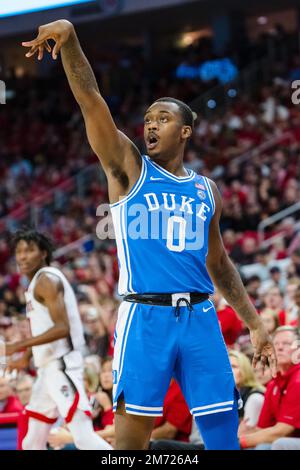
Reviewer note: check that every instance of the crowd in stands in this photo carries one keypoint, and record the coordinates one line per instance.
(44, 146)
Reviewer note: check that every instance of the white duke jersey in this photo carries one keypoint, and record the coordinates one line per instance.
(40, 321)
(162, 232)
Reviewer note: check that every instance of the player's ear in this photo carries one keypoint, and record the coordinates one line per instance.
(186, 132)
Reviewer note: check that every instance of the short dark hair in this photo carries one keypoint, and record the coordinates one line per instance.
(188, 116)
(30, 235)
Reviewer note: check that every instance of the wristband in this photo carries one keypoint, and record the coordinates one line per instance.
(243, 442)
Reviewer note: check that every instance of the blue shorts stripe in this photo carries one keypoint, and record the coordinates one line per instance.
(143, 413)
(220, 410)
(215, 405)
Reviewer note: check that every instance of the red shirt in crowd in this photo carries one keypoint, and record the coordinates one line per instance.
(176, 412)
(281, 403)
(12, 405)
(282, 318)
(230, 323)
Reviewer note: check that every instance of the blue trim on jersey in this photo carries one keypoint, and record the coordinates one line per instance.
(126, 250)
(179, 179)
(210, 193)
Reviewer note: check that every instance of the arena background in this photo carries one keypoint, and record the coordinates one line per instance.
(236, 64)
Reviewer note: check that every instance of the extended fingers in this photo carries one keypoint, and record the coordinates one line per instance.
(47, 46)
(41, 37)
(56, 49)
(32, 51)
(40, 48)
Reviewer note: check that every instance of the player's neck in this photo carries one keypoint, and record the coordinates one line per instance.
(33, 273)
(174, 166)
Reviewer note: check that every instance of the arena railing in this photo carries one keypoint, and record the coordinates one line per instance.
(274, 219)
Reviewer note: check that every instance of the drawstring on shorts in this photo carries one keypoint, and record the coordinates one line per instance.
(177, 308)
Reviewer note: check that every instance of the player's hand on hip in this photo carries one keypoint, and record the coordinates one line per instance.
(263, 349)
(59, 31)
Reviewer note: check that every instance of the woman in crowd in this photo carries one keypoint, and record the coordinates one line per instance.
(251, 391)
(270, 319)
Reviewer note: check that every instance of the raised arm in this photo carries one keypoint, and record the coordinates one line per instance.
(229, 283)
(119, 157)
(50, 292)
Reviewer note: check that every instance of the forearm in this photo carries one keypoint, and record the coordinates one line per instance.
(261, 436)
(55, 333)
(228, 281)
(78, 71)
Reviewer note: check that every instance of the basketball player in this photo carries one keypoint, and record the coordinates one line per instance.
(167, 326)
(57, 338)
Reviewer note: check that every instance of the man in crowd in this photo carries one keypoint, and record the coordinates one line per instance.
(280, 415)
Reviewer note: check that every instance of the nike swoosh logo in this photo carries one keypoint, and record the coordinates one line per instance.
(206, 309)
(156, 179)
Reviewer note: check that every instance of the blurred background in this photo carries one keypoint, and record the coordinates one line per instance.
(234, 63)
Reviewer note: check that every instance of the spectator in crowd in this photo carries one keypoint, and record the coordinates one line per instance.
(263, 374)
(251, 391)
(24, 389)
(104, 395)
(291, 307)
(280, 415)
(273, 300)
(297, 302)
(270, 319)
(195, 442)
(230, 323)
(294, 268)
(253, 284)
(97, 338)
(275, 280)
(9, 403)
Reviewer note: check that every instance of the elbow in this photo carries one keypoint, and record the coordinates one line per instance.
(216, 266)
(63, 331)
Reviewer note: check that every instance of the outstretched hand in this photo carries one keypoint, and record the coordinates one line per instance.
(263, 349)
(59, 31)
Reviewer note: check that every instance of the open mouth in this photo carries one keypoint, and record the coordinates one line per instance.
(152, 141)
